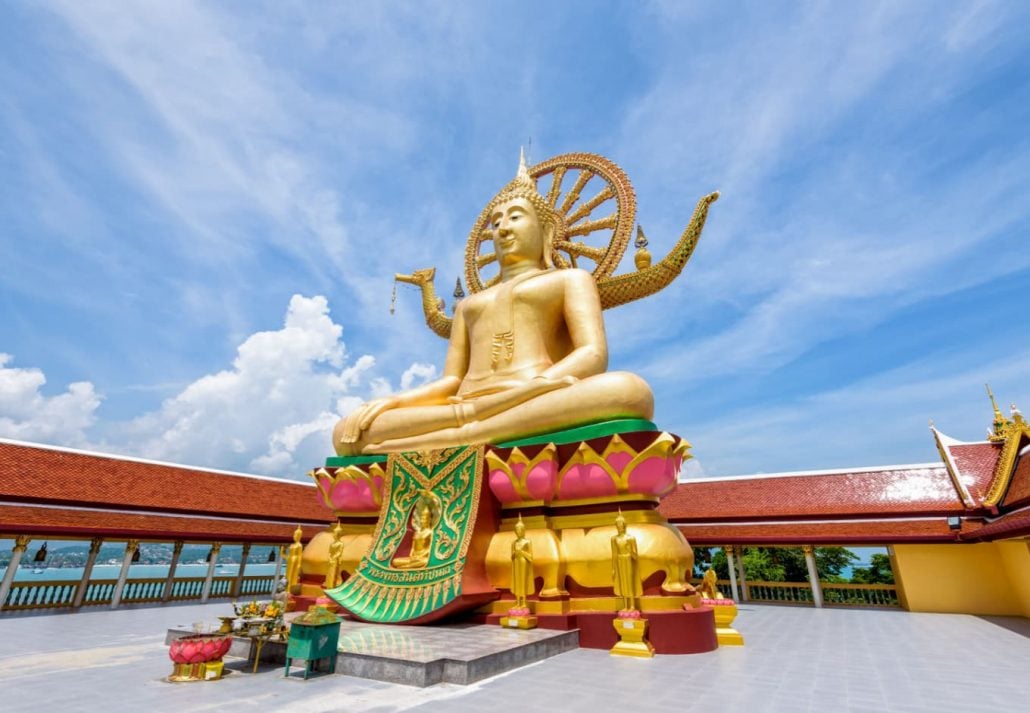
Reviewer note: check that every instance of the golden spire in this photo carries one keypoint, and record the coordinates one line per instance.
(1000, 424)
(522, 175)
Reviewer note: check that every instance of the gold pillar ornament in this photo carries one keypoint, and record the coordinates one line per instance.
(294, 560)
(335, 568)
(625, 573)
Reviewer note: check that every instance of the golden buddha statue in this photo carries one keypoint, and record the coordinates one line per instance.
(293, 562)
(522, 582)
(422, 524)
(526, 355)
(625, 573)
(335, 562)
(709, 588)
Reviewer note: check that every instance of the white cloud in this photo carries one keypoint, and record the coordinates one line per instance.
(272, 411)
(26, 414)
(417, 374)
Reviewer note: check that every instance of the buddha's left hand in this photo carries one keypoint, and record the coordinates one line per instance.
(363, 416)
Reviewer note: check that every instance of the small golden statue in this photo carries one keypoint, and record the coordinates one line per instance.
(625, 579)
(293, 562)
(422, 522)
(335, 564)
(522, 582)
(709, 588)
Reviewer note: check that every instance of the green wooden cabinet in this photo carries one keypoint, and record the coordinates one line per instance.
(312, 642)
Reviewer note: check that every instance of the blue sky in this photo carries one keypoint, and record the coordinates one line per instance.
(204, 205)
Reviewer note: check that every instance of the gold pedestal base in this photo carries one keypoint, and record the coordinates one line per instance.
(632, 641)
(725, 613)
(518, 622)
(183, 672)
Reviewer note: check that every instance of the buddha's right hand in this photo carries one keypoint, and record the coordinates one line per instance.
(362, 417)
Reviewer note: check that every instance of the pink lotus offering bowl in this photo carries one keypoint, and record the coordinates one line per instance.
(519, 611)
(629, 614)
(199, 648)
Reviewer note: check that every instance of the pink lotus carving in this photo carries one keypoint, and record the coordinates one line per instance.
(199, 648)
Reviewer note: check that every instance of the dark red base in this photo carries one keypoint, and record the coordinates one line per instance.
(686, 631)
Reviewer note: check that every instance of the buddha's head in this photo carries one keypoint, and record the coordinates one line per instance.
(520, 528)
(522, 223)
(620, 524)
(425, 517)
(337, 531)
(298, 534)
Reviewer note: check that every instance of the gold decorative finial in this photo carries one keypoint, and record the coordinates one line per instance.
(522, 175)
(459, 292)
(642, 258)
(1000, 424)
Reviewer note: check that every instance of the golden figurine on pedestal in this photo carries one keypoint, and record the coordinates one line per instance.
(527, 354)
(293, 562)
(422, 522)
(629, 625)
(333, 571)
(625, 574)
(709, 589)
(522, 584)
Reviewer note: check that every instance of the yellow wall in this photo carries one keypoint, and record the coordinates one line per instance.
(985, 578)
(1016, 556)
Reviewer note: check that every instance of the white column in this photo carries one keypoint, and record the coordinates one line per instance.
(742, 574)
(21, 542)
(87, 571)
(130, 549)
(170, 582)
(813, 576)
(731, 565)
(278, 569)
(237, 586)
(206, 593)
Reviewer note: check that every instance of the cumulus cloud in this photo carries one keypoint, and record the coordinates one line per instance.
(272, 411)
(27, 414)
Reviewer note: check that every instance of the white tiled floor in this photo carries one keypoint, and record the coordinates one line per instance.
(794, 660)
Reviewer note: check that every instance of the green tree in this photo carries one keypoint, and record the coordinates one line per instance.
(781, 564)
(878, 572)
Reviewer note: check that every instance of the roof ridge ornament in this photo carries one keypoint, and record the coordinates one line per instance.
(1000, 425)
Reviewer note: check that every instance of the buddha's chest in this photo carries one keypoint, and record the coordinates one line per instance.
(534, 306)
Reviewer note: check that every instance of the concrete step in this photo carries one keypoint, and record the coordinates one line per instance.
(425, 655)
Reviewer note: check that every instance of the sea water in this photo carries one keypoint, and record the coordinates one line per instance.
(29, 572)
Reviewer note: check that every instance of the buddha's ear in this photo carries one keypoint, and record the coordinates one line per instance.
(548, 244)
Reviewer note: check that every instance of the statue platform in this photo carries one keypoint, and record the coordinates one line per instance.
(460, 653)
(566, 488)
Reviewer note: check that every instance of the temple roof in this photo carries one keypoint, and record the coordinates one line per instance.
(50, 489)
(913, 490)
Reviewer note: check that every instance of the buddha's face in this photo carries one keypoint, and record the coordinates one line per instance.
(520, 529)
(425, 518)
(517, 233)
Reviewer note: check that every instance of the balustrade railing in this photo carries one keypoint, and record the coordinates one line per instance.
(861, 595)
(780, 592)
(58, 594)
